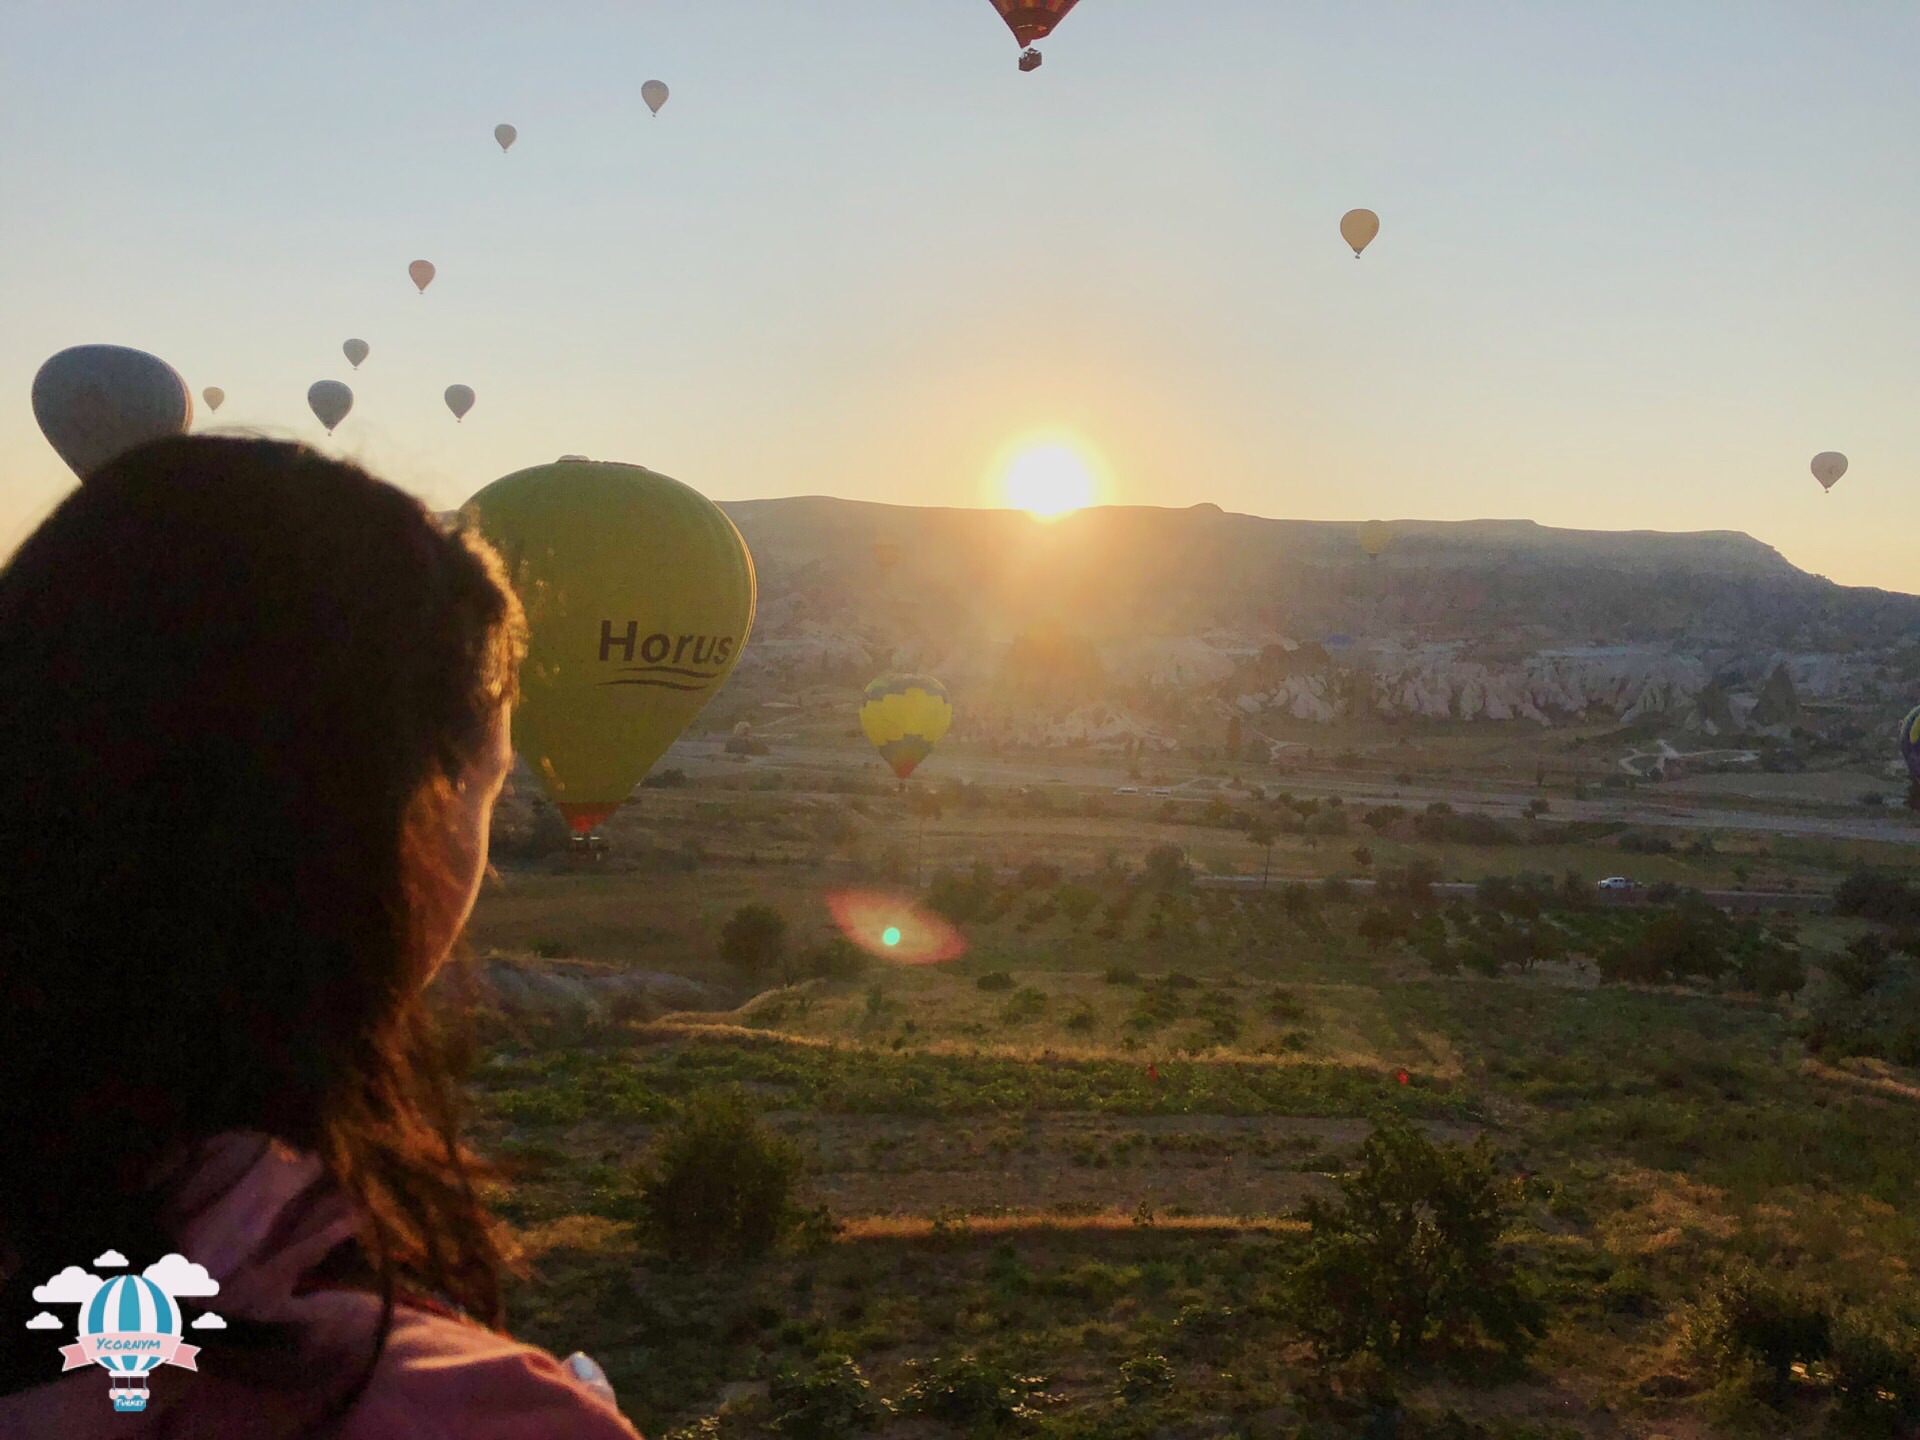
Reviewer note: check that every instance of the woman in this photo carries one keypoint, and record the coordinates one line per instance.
(253, 719)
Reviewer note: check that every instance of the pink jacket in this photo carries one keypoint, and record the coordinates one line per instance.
(439, 1377)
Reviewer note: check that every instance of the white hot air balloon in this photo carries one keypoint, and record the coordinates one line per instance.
(330, 401)
(1828, 467)
(654, 92)
(1357, 228)
(422, 273)
(356, 351)
(506, 135)
(95, 402)
(459, 400)
(214, 396)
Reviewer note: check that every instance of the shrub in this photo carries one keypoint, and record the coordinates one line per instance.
(1038, 875)
(717, 1182)
(1381, 926)
(1076, 902)
(1861, 966)
(1874, 896)
(754, 940)
(1145, 1376)
(1752, 1322)
(968, 1391)
(837, 958)
(1166, 868)
(1672, 947)
(1121, 975)
(994, 980)
(829, 1401)
(665, 780)
(1770, 970)
(1024, 1004)
(1409, 1259)
(1875, 1363)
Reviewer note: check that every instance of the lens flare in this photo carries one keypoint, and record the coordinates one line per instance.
(894, 927)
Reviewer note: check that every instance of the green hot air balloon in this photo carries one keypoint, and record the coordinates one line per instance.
(639, 595)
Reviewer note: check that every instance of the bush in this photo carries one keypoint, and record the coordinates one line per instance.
(665, 780)
(829, 1401)
(1166, 868)
(1121, 975)
(1381, 926)
(961, 898)
(1634, 843)
(1408, 1261)
(754, 940)
(1862, 965)
(835, 959)
(1143, 1377)
(1875, 1363)
(968, 1391)
(1076, 902)
(717, 1182)
(1874, 896)
(994, 980)
(1751, 1322)
(1670, 948)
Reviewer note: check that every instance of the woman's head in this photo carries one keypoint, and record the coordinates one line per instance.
(253, 711)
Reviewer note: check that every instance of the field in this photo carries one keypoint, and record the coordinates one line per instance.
(1067, 1167)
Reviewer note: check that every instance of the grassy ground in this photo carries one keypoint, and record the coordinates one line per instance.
(1099, 1157)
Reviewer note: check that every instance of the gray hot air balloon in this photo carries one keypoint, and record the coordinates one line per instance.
(214, 396)
(95, 402)
(355, 351)
(330, 401)
(459, 400)
(654, 92)
(506, 135)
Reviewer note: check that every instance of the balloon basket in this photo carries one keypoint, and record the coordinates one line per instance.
(586, 850)
(1029, 61)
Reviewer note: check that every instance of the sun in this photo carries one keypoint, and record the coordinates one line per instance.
(1048, 481)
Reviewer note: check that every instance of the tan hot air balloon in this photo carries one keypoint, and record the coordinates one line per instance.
(506, 135)
(214, 396)
(422, 273)
(1828, 467)
(654, 92)
(1375, 536)
(1357, 228)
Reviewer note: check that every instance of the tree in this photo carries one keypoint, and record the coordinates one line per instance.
(754, 941)
(1261, 834)
(1409, 1259)
(717, 1182)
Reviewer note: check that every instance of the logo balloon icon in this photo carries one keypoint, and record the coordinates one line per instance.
(129, 1328)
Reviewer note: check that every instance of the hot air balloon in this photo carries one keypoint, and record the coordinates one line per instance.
(1374, 538)
(459, 400)
(1357, 228)
(130, 1327)
(639, 595)
(214, 396)
(1031, 21)
(1910, 743)
(654, 92)
(1828, 467)
(905, 716)
(506, 135)
(356, 351)
(96, 402)
(330, 400)
(422, 273)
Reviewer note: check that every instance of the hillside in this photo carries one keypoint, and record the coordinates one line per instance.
(1080, 628)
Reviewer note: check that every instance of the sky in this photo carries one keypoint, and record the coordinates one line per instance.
(1638, 261)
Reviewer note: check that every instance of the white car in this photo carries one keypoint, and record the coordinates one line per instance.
(1128, 790)
(1619, 882)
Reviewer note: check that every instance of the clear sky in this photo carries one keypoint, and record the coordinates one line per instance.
(1639, 260)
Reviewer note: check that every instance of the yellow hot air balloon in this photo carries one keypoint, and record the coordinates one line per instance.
(905, 716)
(1357, 228)
(639, 595)
(1374, 538)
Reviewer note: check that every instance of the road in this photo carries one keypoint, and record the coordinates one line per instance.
(706, 757)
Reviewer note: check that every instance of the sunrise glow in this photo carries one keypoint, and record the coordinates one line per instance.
(1048, 481)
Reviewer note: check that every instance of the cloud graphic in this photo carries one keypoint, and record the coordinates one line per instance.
(209, 1321)
(72, 1286)
(113, 1259)
(45, 1320)
(179, 1276)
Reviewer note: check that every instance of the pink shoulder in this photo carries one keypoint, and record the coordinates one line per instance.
(442, 1377)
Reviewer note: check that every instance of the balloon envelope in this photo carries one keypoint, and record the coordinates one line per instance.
(214, 396)
(1828, 467)
(1358, 227)
(639, 596)
(1910, 742)
(355, 351)
(1375, 537)
(330, 400)
(459, 400)
(506, 135)
(96, 402)
(1032, 20)
(654, 92)
(422, 273)
(905, 716)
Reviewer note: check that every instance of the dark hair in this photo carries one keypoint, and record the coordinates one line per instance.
(238, 681)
